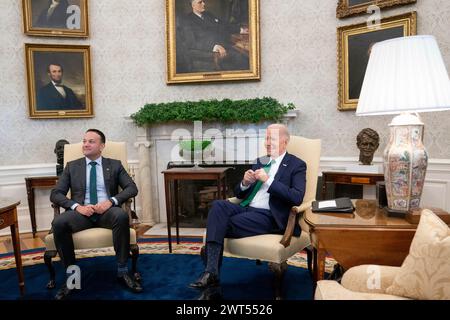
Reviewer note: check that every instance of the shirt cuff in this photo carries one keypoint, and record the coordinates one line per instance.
(243, 188)
(269, 181)
(216, 48)
(115, 200)
(74, 206)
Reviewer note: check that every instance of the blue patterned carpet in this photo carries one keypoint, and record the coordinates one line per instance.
(165, 277)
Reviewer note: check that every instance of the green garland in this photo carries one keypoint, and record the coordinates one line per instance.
(248, 110)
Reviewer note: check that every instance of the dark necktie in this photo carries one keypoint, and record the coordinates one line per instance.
(93, 188)
(258, 185)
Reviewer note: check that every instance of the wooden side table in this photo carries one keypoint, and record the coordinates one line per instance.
(173, 175)
(8, 218)
(367, 236)
(337, 177)
(35, 183)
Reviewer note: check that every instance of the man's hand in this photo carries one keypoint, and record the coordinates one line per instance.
(249, 177)
(85, 210)
(261, 175)
(101, 207)
(222, 51)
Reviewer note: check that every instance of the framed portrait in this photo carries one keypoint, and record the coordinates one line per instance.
(59, 81)
(212, 40)
(56, 18)
(354, 44)
(347, 8)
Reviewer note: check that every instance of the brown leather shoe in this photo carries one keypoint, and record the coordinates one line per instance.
(206, 279)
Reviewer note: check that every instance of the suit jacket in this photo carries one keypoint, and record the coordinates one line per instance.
(200, 35)
(74, 178)
(287, 189)
(48, 98)
(57, 20)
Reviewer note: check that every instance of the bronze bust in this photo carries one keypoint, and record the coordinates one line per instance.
(59, 151)
(367, 142)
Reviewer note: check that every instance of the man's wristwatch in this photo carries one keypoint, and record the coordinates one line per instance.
(112, 202)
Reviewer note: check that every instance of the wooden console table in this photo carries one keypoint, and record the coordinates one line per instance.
(8, 218)
(337, 177)
(173, 175)
(367, 236)
(35, 183)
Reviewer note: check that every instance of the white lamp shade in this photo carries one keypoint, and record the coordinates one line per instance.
(405, 74)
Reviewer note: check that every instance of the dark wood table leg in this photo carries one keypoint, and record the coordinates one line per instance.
(17, 253)
(319, 264)
(177, 225)
(324, 186)
(168, 211)
(31, 206)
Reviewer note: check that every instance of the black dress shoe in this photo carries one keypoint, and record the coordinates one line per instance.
(129, 283)
(211, 293)
(63, 293)
(206, 279)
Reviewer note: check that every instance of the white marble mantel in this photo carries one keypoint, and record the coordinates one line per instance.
(158, 144)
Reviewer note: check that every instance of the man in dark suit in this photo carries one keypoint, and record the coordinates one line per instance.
(268, 191)
(54, 15)
(95, 201)
(55, 95)
(203, 42)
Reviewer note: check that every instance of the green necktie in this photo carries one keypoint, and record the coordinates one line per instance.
(93, 183)
(258, 185)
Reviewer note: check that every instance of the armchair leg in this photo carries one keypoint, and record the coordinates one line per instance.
(278, 269)
(134, 257)
(48, 256)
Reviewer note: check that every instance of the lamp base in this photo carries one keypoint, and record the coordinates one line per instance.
(395, 213)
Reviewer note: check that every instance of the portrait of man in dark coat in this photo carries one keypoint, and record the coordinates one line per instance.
(55, 95)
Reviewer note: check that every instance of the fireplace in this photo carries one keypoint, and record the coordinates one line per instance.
(195, 197)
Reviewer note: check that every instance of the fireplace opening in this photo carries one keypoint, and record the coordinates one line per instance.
(196, 197)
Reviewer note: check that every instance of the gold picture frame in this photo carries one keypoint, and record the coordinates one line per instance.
(59, 81)
(346, 8)
(69, 18)
(227, 49)
(354, 43)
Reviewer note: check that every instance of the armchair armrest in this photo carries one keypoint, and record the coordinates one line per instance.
(295, 212)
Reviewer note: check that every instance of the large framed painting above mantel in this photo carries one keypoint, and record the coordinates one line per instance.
(346, 8)
(354, 43)
(212, 40)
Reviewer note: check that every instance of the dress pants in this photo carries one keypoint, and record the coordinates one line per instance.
(69, 222)
(229, 220)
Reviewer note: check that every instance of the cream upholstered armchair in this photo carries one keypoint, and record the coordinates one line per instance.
(94, 237)
(275, 248)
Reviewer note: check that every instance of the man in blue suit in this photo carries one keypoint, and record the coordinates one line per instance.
(268, 191)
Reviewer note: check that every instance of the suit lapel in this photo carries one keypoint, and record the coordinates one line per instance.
(106, 164)
(283, 166)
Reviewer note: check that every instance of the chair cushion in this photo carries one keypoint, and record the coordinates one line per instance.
(425, 272)
(90, 239)
(332, 290)
(369, 278)
(265, 247)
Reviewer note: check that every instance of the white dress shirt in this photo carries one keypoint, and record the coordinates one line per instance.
(60, 89)
(261, 199)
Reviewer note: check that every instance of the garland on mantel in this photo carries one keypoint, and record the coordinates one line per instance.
(226, 110)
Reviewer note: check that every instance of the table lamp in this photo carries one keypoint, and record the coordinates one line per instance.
(405, 75)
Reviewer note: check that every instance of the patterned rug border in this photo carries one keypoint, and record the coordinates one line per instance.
(146, 246)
